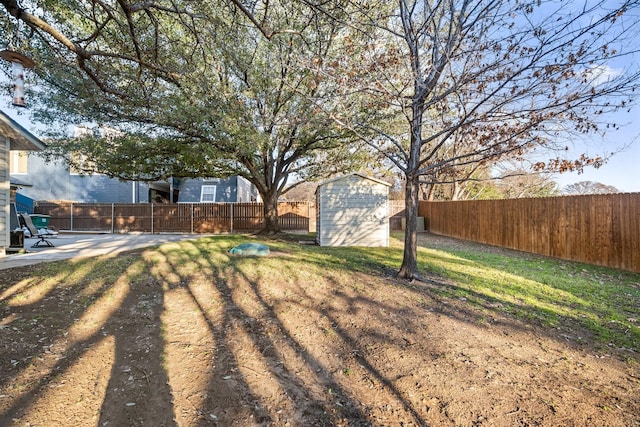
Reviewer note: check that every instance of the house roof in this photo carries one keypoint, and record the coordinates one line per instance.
(19, 137)
(378, 181)
(15, 182)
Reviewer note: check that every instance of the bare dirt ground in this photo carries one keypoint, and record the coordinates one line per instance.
(246, 350)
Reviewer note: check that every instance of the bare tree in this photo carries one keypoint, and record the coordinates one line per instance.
(511, 76)
(517, 181)
(302, 192)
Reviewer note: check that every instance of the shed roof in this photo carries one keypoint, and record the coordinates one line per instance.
(19, 137)
(378, 181)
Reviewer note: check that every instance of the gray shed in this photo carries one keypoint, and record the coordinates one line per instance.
(352, 210)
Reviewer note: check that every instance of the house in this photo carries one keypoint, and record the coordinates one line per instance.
(13, 137)
(56, 181)
(352, 210)
(231, 189)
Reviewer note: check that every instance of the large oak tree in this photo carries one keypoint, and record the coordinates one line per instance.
(198, 88)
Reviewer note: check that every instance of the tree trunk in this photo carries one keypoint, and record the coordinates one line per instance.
(456, 191)
(270, 210)
(427, 191)
(409, 267)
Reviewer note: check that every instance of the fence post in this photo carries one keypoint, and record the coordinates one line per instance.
(192, 217)
(113, 208)
(71, 215)
(231, 215)
(151, 217)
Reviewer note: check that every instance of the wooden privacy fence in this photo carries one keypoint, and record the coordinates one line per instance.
(180, 217)
(185, 217)
(596, 229)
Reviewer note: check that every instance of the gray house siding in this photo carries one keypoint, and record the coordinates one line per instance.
(246, 191)
(231, 189)
(53, 181)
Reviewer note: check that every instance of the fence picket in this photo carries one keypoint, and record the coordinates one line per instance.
(596, 229)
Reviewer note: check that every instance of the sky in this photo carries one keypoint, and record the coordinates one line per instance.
(621, 170)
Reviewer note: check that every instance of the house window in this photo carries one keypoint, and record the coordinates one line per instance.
(18, 162)
(81, 165)
(208, 193)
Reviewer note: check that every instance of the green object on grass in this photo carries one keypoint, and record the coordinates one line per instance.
(250, 249)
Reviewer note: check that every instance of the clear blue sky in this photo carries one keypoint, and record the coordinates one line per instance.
(622, 170)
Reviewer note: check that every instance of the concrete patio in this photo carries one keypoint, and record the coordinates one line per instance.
(70, 245)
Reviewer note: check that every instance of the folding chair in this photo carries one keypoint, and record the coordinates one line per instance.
(42, 235)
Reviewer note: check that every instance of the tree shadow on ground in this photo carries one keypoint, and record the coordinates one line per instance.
(73, 341)
(599, 304)
(187, 334)
(466, 288)
(267, 367)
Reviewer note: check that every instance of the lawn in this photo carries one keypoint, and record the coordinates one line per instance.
(187, 334)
